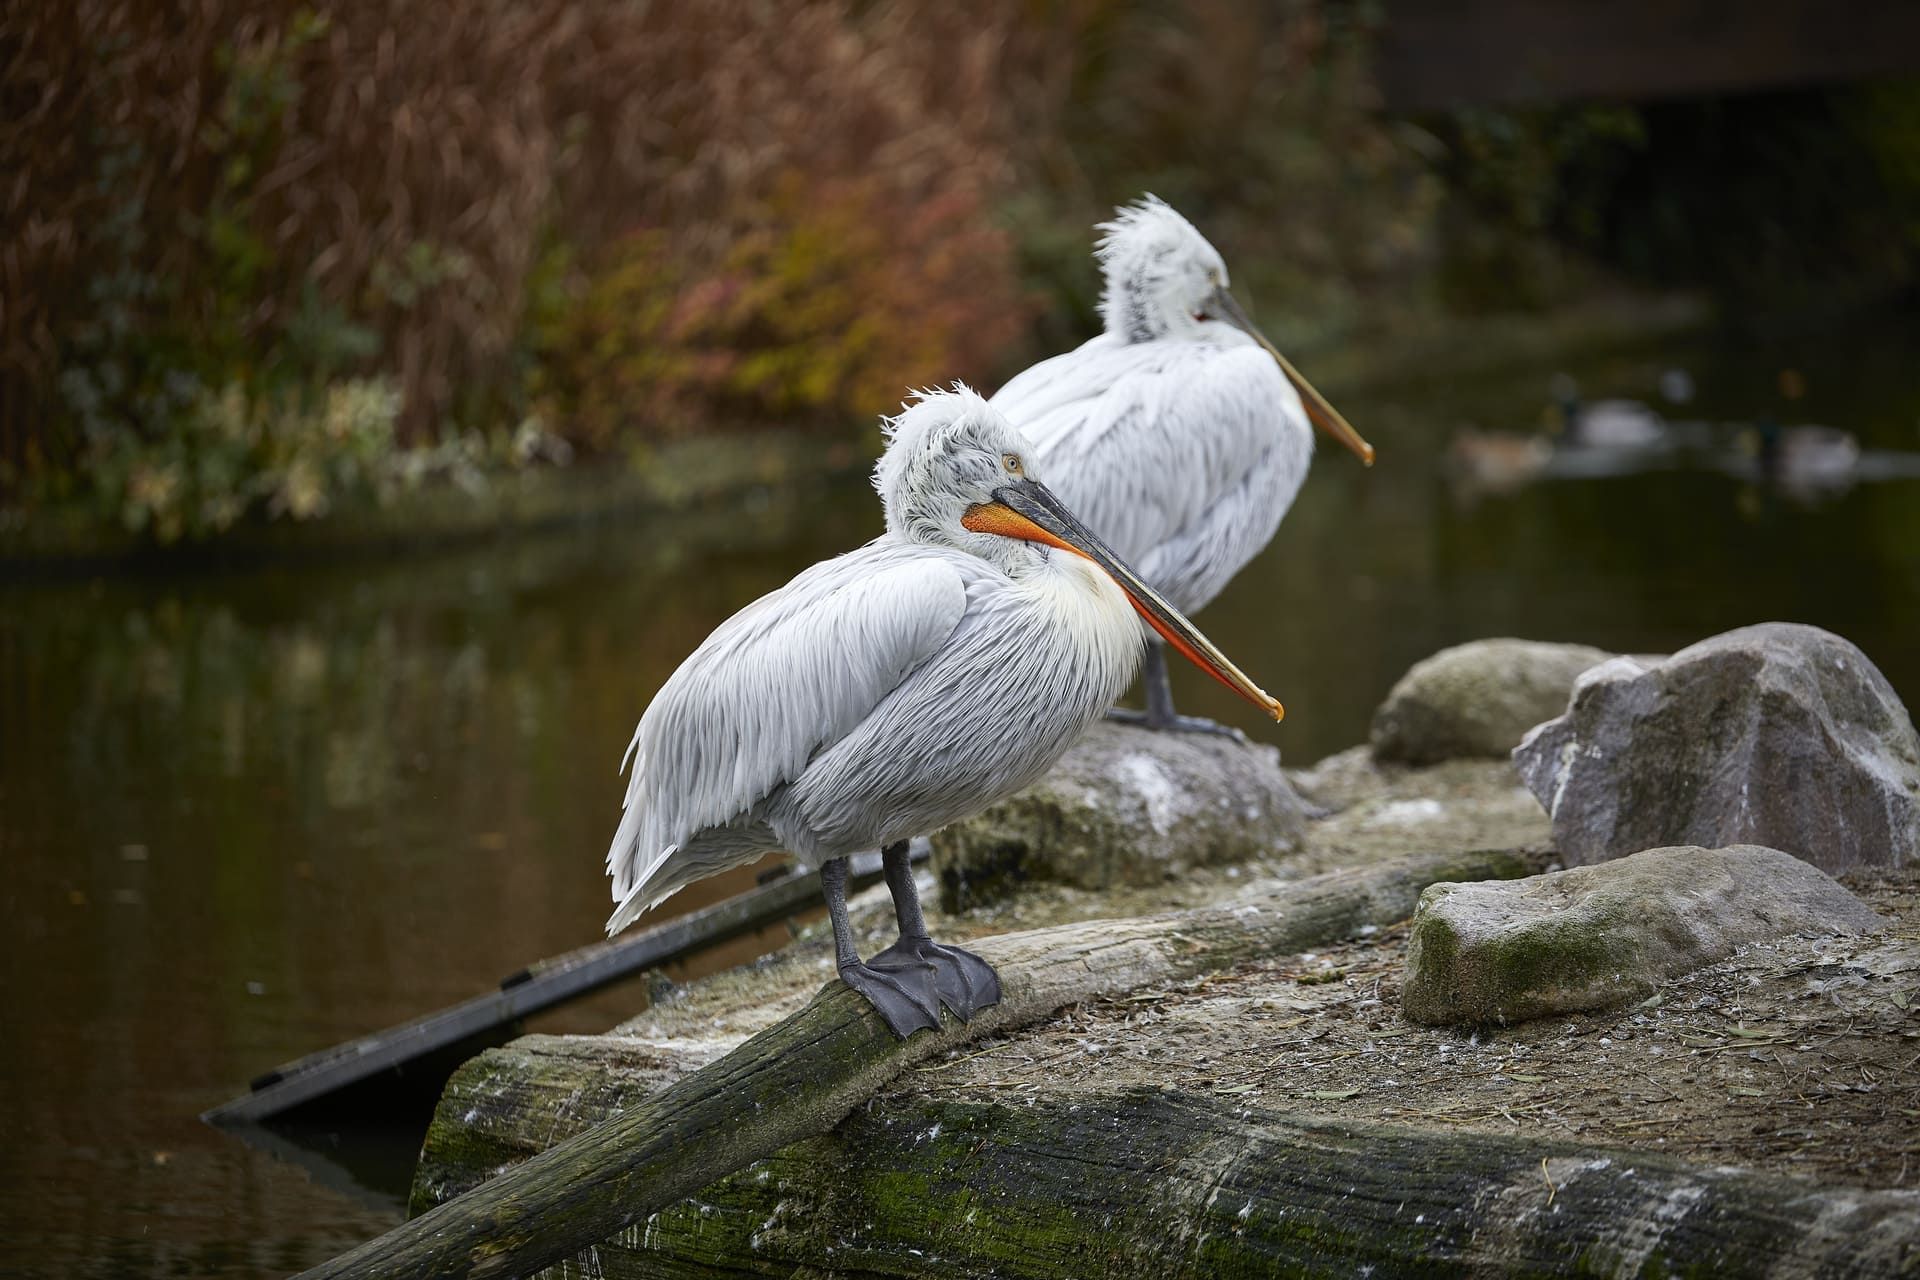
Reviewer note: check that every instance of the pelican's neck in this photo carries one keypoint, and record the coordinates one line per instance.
(1134, 311)
(1024, 562)
(1089, 613)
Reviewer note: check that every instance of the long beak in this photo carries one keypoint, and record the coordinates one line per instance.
(1028, 510)
(1323, 414)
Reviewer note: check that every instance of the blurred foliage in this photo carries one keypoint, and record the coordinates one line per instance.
(225, 456)
(826, 307)
(635, 222)
(228, 455)
(245, 198)
(1782, 202)
(1258, 121)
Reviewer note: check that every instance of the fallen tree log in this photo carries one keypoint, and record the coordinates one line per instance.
(1150, 1184)
(802, 1076)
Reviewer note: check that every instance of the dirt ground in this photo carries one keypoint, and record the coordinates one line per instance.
(1800, 1057)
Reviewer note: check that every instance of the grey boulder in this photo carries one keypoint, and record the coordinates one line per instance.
(1598, 937)
(1125, 806)
(1477, 699)
(1776, 734)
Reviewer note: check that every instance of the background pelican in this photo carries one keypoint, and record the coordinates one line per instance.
(893, 690)
(1178, 433)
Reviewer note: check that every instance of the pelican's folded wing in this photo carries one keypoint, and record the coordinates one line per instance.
(1168, 455)
(1224, 432)
(786, 676)
(1044, 396)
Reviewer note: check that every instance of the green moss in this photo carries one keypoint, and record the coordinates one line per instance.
(1555, 955)
(1526, 971)
(1438, 943)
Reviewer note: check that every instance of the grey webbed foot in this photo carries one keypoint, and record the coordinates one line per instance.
(966, 984)
(1174, 723)
(904, 994)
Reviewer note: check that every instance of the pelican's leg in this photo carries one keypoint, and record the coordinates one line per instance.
(1160, 713)
(905, 997)
(966, 983)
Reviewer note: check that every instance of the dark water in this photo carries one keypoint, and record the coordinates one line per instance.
(245, 815)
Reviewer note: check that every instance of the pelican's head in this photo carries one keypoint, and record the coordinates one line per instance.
(1159, 272)
(1163, 280)
(956, 474)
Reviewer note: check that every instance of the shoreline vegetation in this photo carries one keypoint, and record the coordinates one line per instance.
(382, 276)
(503, 496)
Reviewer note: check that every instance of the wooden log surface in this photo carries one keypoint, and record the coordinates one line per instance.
(497, 1014)
(804, 1075)
(1152, 1184)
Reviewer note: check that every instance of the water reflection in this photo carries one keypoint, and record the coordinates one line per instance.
(248, 815)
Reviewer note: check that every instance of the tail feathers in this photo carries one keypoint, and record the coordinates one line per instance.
(639, 900)
(623, 854)
(648, 884)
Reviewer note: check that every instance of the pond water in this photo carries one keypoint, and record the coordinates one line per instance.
(248, 814)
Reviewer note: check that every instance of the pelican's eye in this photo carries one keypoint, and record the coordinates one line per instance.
(1011, 461)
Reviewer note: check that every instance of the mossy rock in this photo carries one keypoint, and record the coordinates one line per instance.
(1601, 936)
(1126, 806)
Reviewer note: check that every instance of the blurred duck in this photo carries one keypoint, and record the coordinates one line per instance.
(1802, 459)
(1605, 424)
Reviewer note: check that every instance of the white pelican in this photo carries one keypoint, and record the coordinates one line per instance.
(888, 692)
(1177, 434)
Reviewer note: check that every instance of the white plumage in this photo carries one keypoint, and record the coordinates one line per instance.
(1184, 453)
(1177, 434)
(888, 692)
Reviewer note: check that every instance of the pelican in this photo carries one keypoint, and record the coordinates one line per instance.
(1179, 433)
(892, 690)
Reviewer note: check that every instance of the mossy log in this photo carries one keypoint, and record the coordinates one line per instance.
(1151, 1184)
(802, 1076)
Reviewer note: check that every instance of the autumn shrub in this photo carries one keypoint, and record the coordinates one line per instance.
(256, 198)
(228, 456)
(1261, 121)
(825, 307)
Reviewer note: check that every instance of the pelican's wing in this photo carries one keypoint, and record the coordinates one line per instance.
(791, 673)
(1156, 434)
(1238, 436)
(1034, 395)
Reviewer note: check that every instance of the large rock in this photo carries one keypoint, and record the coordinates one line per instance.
(1600, 936)
(1125, 806)
(1776, 734)
(1477, 699)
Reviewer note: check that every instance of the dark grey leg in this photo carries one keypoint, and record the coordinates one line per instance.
(897, 867)
(905, 997)
(965, 982)
(1159, 687)
(1160, 714)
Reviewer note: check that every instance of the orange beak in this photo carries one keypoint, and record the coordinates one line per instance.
(1028, 510)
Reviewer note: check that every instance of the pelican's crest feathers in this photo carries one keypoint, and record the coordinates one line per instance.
(1149, 256)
